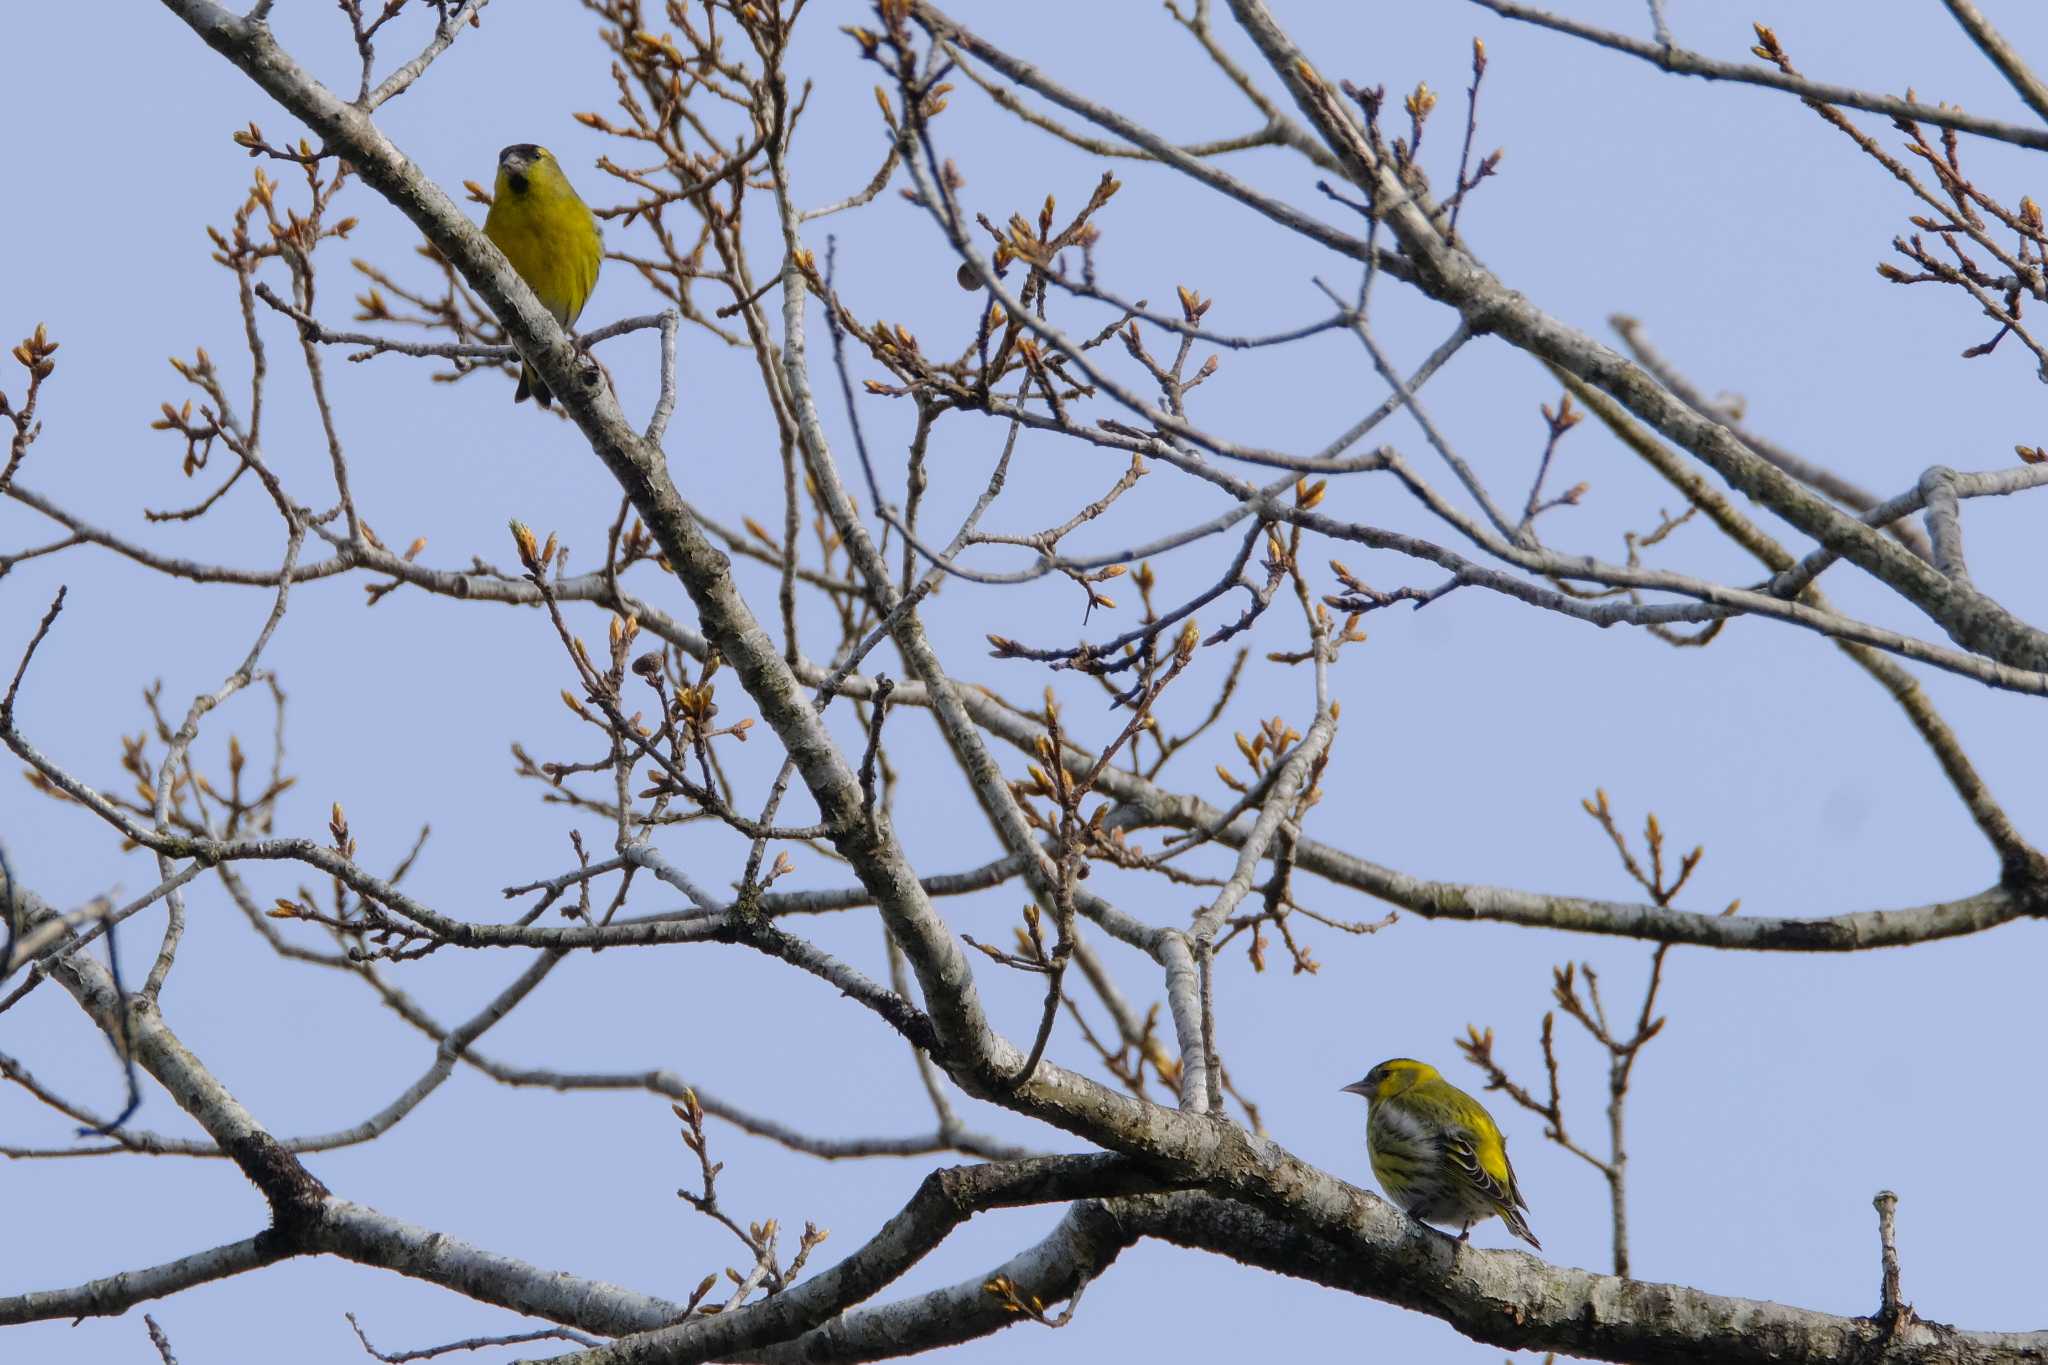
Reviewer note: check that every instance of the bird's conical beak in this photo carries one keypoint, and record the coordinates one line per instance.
(1356, 1088)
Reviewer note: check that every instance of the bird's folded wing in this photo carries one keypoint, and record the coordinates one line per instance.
(1463, 1155)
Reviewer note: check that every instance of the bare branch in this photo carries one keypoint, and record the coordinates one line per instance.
(1994, 46)
(1683, 62)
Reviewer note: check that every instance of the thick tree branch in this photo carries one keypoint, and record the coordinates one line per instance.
(305, 1217)
(1499, 1297)
(116, 1294)
(946, 1199)
(1085, 1243)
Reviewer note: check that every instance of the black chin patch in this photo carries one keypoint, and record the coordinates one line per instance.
(515, 182)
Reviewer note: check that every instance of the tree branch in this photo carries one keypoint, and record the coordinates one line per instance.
(1682, 62)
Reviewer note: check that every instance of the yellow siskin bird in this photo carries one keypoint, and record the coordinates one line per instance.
(1436, 1151)
(549, 236)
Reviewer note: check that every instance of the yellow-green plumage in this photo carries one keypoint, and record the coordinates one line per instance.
(1436, 1151)
(549, 236)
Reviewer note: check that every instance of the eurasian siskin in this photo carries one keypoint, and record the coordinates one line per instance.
(549, 236)
(1436, 1151)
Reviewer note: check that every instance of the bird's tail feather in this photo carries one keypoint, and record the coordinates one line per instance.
(1519, 1226)
(532, 384)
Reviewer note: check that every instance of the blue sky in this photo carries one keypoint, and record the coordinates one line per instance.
(1784, 1092)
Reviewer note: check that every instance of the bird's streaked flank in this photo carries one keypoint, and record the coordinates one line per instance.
(549, 236)
(1436, 1151)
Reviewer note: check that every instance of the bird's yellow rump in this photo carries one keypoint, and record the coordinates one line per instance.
(1436, 1151)
(549, 236)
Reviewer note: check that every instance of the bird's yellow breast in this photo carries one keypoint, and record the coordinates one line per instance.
(551, 239)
